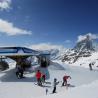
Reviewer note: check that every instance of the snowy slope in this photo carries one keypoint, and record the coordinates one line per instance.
(84, 91)
(85, 82)
(84, 62)
(83, 49)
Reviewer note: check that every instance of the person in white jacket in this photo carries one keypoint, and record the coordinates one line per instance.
(55, 83)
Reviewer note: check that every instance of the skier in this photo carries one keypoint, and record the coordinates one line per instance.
(65, 78)
(90, 66)
(19, 72)
(38, 77)
(55, 83)
(43, 78)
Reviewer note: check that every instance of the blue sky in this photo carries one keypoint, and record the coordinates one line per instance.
(58, 22)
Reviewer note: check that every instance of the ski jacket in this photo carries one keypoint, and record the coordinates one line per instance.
(38, 75)
(66, 77)
(55, 83)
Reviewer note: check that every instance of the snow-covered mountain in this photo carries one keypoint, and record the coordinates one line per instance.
(57, 53)
(84, 48)
(80, 51)
(84, 52)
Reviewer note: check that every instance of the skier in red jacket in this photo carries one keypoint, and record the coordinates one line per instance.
(65, 78)
(38, 77)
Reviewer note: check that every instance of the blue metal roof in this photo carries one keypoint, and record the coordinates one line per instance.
(17, 50)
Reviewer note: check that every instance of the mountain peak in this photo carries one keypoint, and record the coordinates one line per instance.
(85, 44)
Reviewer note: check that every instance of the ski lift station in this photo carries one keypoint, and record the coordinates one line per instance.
(23, 57)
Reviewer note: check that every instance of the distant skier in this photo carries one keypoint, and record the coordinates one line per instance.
(38, 77)
(55, 83)
(65, 78)
(90, 66)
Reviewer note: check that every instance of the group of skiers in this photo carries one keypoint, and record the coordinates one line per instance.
(41, 79)
(64, 83)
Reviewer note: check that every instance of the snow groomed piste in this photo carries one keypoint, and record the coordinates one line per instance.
(84, 80)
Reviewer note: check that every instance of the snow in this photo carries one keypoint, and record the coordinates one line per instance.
(84, 80)
(84, 61)
(20, 90)
(84, 91)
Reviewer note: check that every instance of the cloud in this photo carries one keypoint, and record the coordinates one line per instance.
(5, 4)
(83, 37)
(46, 46)
(9, 29)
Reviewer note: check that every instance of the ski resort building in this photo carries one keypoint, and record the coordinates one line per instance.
(21, 55)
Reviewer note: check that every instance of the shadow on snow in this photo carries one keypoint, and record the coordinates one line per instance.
(10, 76)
